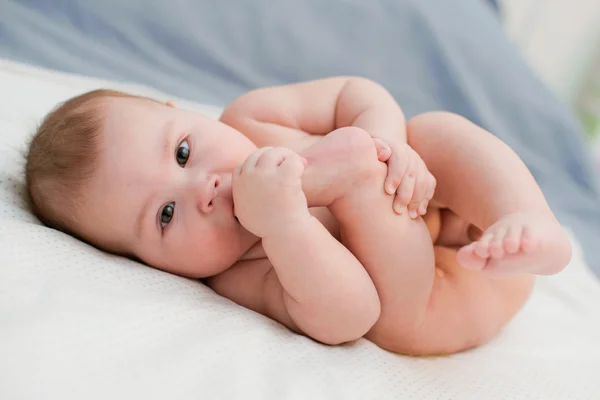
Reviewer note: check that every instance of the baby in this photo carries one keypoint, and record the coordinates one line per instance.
(314, 204)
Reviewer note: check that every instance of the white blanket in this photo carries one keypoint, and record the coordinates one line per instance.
(78, 323)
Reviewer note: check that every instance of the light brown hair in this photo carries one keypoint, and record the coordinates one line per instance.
(62, 156)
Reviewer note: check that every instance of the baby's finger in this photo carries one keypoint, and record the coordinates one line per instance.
(384, 151)
(292, 165)
(405, 192)
(397, 168)
(413, 209)
(252, 159)
(422, 209)
(398, 206)
(432, 183)
(421, 184)
(273, 157)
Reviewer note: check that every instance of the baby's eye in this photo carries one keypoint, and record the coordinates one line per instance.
(167, 214)
(182, 153)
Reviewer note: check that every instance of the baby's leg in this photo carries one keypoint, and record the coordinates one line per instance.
(422, 311)
(396, 251)
(485, 183)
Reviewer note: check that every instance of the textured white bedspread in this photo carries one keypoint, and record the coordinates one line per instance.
(77, 323)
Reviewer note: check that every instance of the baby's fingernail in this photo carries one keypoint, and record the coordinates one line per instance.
(399, 209)
(423, 207)
(389, 188)
(412, 214)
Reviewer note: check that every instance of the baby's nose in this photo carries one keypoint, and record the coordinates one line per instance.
(207, 193)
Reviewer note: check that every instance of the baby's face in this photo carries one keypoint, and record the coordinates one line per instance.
(162, 191)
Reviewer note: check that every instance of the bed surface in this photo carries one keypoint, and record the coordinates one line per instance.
(80, 324)
(210, 52)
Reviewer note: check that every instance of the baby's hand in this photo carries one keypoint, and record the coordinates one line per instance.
(267, 190)
(407, 177)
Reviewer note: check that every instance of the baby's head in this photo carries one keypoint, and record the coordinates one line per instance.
(140, 178)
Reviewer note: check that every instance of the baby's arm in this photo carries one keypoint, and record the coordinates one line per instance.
(284, 115)
(296, 115)
(315, 284)
(326, 291)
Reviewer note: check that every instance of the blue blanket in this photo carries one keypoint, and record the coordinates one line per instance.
(431, 55)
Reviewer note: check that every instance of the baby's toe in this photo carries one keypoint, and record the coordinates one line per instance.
(467, 258)
(512, 239)
(482, 246)
(528, 241)
(497, 244)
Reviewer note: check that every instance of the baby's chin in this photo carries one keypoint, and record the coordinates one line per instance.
(238, 248)
(199, 271)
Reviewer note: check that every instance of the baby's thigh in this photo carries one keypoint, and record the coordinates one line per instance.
(465, 309)
(433, 221)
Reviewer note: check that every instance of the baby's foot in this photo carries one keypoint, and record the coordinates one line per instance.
(521, 242)
(339, 162)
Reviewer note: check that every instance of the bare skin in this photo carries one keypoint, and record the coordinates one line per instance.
(322, 248)
(377, 236)
(516, 242)
(414, 307)
(520, 232)
(422, 289)
(476, 167)
(418, 300)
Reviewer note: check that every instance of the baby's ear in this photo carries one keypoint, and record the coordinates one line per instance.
(169, 103)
